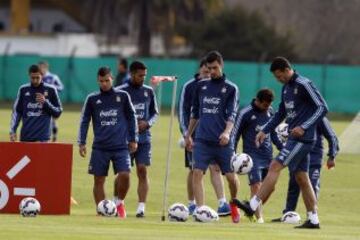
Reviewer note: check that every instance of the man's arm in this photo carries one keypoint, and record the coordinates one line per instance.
(184, 110)
(132, 123)
(238, 127)
(84, 126)
(51, 105)
(330, 136)
(153, 110)
(16, 116)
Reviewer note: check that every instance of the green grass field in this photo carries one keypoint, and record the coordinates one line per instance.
(338, 206)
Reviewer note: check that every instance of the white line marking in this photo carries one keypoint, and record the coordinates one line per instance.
(24, 191)
(18, 167)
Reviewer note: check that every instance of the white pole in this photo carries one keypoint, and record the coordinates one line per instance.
(172, 116)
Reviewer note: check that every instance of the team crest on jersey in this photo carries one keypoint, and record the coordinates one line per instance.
(98, 101)
(253, 117)
(204, 88)
(27, 94)
(223, 90)
(118, 99)
(296, 91)
(146, 94)
(46, 93)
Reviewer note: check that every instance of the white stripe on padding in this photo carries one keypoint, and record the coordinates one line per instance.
(18, 167)
(293, 153)
(24, 191)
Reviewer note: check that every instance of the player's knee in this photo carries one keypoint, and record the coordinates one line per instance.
(301, 178)
(99, 181)
(141, 171)
(275, 167)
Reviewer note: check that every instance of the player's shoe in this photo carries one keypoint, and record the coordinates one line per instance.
(276, 219)
(309, 225)
(121, 212)
(140, 214)
(224, 210)
(235, 214)
(191, 208)
(245, 206)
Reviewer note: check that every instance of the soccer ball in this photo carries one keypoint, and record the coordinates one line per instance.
(181, 142)
(29, 207)
(106, 208)
(241, 163)
(205, 214)
(291, 217)
(282, 130)
(178, 212)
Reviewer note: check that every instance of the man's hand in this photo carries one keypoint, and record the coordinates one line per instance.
(188, 143)
(224, 138)
(13, 137)
(297, 132)
(82, 150)
(330, 163)
(40, 98)
(260, 138)
(143, 125)
(133, 147)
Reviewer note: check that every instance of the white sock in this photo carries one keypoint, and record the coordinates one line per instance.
(192, 202)
(313, 217)
(115, 199)
(141, 207)
(119, 201)
(255, 202)
(222, 201)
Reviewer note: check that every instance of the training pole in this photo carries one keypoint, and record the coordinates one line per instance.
(168, 158)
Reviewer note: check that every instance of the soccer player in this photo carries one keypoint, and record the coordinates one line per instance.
(115, 134)
(249, 122)
(217, 181)
(303, 107)
(316, 155)
(54, 80)
(36, 103)
(144, 101)
(123, 75)
(214, 108)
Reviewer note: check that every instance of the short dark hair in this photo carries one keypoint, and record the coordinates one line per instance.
(214, 56)
(43, 62)
(265, 95)
(34, 69)
(103, 71)
(124, 62)
(137, 65)
(279, 63)
(202, 62)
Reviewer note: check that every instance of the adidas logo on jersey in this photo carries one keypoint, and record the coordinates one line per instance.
(98, 101)
(27, 94)
(253, 117)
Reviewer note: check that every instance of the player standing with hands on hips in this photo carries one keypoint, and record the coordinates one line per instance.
(115, 135)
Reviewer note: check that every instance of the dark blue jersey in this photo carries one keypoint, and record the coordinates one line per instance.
(54, 80)
(113, 119)
(324, 130)
(249, 121)
(144, 101)
(185, 103)
(302, 105)
(35, 116)
(215, 102)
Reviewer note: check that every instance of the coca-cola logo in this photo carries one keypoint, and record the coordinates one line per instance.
(109, 113)
(213, 100)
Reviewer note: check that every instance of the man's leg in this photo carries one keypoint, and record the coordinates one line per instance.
(233, 182)
(314, 175)
(254, 188)
(217, 182)
(143, 188)
(198, 186)
(98, 189)
(189, 163)
(123, 184)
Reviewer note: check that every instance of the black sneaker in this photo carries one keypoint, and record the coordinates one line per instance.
(276, 220)
(140, 215)
(309, 225)
(245, 206)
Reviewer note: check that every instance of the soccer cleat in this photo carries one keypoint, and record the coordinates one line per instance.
(309, 225)
(245, 206)
(140, 214)
(224, 210)
(235, 214)
(191, 208)
(276, 220)
(121, 212)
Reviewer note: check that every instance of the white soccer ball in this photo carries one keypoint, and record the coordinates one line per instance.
(106, 208)
(282, 130)
(29, 207)
(291, 218)
(181, 142)
(178, 212)
(241, 163)
(205, 214)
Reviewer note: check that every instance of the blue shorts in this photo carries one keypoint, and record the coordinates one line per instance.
(205, 154)
(295, 155)
(100, 161)
(142, 154)
(257, 175)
